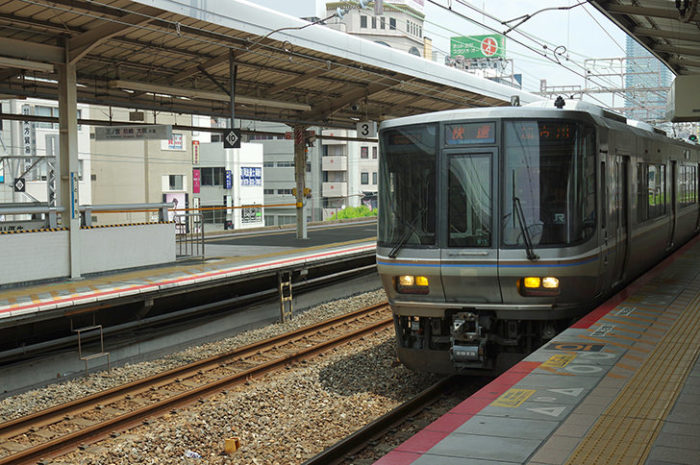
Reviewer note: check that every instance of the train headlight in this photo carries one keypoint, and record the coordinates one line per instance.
(421, 281)
(408, 284)
(535, 286)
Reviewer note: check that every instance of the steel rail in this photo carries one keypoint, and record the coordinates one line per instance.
(56, 413)
(357, 440)
(93, 433)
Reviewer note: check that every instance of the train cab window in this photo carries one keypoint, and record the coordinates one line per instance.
(549, 182)
(469, 201)
(408, 194)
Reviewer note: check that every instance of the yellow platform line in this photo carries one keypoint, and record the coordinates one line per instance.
(627, 429)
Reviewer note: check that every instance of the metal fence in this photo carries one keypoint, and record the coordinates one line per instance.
(189, 235)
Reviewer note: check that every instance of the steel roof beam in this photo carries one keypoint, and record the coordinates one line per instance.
(665, 34)
(322, 111)
(31, 51)
(665, 13)
(79, 46)
(284, 85)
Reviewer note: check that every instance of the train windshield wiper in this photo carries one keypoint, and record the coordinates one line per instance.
(409, 228)
(518, 208)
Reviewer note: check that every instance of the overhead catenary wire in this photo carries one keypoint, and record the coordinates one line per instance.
(537, 41)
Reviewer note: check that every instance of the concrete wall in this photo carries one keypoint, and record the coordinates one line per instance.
(40, 256)
(33, 256)
(104, 249)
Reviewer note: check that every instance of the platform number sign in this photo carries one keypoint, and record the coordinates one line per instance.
(232, 139)
(20, 184)
(367, 129)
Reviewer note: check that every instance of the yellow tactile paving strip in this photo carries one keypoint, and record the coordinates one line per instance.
(625, 432)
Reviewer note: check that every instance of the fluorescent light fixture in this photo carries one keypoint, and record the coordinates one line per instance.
(26, 64)
(204, 94)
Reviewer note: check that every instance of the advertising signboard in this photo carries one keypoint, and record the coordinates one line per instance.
(196, 181)
(483, 46)
(251, 176)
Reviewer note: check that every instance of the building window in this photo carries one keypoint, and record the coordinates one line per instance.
(374, 22)
(363, 22)
(364, 152)
(408, 26)
(308, 167)
(284, 164)
(374, 177)
(268, 191)
(374, 152)
(382, 22)
(392, 24)
(364, 178)
(284, 191)
(213, 214)
(175, 182)
(268, 164)
(213, 176)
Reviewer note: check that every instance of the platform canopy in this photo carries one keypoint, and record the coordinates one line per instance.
(668, 29)
(173, 56)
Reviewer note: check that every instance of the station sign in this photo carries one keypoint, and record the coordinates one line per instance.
(481, 46)
(136, 132)
(228, 179)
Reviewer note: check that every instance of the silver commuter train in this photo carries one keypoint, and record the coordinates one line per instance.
(499, 226)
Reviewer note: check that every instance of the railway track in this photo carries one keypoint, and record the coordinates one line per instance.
(442, 395)
(60, 429)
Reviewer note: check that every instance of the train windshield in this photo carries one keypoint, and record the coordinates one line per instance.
(407, 201)
(549, 177)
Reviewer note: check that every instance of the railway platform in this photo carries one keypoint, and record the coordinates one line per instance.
(230, 258)
(620, 386)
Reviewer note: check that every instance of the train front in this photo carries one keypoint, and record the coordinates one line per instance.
(487, 233)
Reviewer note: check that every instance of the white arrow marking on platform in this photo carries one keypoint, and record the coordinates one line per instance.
(575, 392)
(551, 411)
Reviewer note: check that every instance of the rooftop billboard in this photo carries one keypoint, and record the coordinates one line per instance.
(485, 46)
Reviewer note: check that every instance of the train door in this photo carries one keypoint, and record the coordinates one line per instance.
(469, 255)
(621, 199)
(674, 218)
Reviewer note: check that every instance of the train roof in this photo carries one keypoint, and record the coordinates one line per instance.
(540, 109)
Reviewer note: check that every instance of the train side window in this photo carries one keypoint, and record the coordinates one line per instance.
(656, 189)
(687, 185)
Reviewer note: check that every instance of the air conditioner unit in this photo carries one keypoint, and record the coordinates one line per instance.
(683, 102)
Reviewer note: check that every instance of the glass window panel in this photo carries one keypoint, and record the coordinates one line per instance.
(408, 199)
(549, 173)
(469, 201)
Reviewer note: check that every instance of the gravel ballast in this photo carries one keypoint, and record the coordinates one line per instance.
(282, 418)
